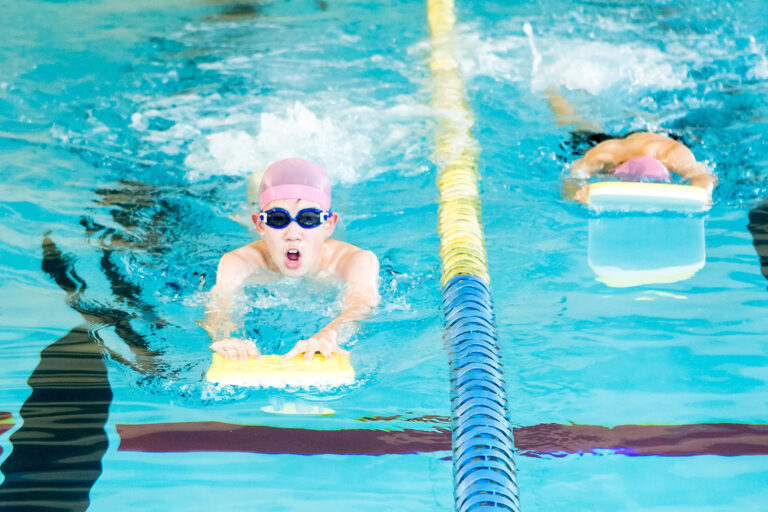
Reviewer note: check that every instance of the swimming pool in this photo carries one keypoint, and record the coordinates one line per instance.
(128, 137)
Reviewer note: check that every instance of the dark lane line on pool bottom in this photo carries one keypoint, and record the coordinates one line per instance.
(547, 439)
(57, 452)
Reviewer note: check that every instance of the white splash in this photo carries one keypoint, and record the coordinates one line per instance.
(759, 71)
(596, 66)
(536, 56)
(569, 63)
(295, 132)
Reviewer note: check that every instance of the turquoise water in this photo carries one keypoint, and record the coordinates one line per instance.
(128, 129)
(575, 349)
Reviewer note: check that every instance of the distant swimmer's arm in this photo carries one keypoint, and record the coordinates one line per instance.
(566, 114)
(360, 271)
(575, 186)
(605, 155)
(230, 276)
(679, 159)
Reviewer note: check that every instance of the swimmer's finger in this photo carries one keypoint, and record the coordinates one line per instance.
(252, 350)
(327, 353)
(298, 349)
(582, 195)
(233, 350)
(309, 353)
(229, 353)
(339, 350)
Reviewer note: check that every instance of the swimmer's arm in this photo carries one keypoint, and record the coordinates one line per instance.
(360, 271)
(575, 186)
(679, 159)
(566, 114)
(607, 154)
(219, 324)
(230, 276)
(361, 297)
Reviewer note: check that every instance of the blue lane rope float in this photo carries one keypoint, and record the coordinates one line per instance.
(483, 451)
(484, 470)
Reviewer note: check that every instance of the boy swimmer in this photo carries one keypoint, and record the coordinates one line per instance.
(295, 223)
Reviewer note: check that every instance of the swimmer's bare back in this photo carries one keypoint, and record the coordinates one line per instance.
(675, 156)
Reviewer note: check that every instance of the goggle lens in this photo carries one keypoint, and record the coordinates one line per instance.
(309, 218)
(278, 219)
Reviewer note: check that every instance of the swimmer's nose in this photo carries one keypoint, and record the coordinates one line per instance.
(292, 231)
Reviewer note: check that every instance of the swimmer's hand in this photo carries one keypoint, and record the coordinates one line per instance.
(582, 195)
(575, 190)
(323, 342)
(706, 181)
(236, 349)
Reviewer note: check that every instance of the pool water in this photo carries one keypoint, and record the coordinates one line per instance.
(128, 130)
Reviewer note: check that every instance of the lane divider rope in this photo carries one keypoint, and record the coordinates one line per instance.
(484, 469)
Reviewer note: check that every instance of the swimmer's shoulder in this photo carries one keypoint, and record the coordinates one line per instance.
(243, 261)
(347, 257)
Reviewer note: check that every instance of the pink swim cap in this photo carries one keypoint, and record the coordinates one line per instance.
(642, 167)
(295, 178)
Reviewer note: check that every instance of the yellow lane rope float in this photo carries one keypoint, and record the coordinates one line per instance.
(462, 245)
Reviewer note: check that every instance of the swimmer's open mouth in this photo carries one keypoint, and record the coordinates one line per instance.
(293, 258)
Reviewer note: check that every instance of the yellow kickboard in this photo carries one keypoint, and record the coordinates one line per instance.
(621, 195)
(272, 371)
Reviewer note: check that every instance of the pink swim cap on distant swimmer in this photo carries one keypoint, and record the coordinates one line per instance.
(642, 167)
(295, 178)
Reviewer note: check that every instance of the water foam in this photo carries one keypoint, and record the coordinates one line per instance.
(758, 70)
(596, 66)
(616, 55)
(352, 141)
(297, 131)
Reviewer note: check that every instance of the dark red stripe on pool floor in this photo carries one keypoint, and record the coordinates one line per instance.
(549, 439)
(726, 439)
(209, 436)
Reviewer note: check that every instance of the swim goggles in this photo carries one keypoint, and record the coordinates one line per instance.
(307, 218)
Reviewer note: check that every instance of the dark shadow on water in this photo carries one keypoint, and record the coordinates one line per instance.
(758, 228)
(57, 452)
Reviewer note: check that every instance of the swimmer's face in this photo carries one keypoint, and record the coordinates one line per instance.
(294, 250)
